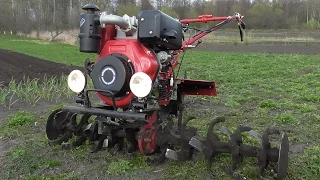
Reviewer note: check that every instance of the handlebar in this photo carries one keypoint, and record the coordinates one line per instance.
(209, 18)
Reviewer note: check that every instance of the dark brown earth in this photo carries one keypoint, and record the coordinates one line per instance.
(15, 66)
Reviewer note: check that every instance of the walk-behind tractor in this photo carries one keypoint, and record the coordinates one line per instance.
(136, 77)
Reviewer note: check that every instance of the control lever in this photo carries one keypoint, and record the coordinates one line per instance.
(194, 46)
(241, 24)
(241, 32)
(199, 42)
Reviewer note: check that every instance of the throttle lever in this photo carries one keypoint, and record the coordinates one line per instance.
(241, 24)
(199, 42)
(241, 32)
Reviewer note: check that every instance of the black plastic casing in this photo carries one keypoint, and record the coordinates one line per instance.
(90, 32)
(154, 27)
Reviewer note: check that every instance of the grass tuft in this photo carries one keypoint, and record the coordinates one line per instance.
(53, 163)
(268, 104)
(284, 118)
(120, 167)
(21, 118)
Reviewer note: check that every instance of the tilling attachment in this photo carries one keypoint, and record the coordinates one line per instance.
(212, 146)
(62, 126)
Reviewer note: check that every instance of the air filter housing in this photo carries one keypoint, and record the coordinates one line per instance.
(156, 28)
(90, 31)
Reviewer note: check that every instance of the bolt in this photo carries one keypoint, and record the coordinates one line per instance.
(129, 60)
(148, 52)
(150, 32)
(142, 19)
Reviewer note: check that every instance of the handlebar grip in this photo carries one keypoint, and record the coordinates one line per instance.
(241, 32)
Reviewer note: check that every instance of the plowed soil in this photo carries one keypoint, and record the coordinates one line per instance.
(15, 66)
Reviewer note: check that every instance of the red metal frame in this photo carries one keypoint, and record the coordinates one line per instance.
(145, 61)
(205, 19)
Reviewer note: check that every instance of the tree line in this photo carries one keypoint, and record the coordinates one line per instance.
(56, 16)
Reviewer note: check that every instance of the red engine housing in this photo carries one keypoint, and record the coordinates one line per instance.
(143, 60)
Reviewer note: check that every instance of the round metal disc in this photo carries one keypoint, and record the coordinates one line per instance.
(283, 157)
(52, 127)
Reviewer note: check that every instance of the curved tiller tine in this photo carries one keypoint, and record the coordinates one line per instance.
(212, 138)
(255, 134)
(185, 136)
(226, 131)
(273, 154)
(53, 132)
(235, 143)
(236, 136)
(79, 131)
(56, 130)
(283, 161)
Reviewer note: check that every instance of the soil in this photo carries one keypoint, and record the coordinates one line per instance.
(15, 66)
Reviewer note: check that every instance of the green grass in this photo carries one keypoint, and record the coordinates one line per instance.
(32, 91)
(21, 118)
(260, 37)
(261, 89)
(57, 52)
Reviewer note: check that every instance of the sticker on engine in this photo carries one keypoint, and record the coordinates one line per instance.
(82, 21)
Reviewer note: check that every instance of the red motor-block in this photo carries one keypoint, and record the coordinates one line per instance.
(136, 76)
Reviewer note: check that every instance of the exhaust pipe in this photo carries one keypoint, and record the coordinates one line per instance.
(114, 19)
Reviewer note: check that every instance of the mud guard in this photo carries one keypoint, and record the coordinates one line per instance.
(196, 87)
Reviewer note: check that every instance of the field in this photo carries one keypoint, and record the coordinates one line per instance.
(262, 89)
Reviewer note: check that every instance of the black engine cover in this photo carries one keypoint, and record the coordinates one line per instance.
(113, 73)
(156, 28)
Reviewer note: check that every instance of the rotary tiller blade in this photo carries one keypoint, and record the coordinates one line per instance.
(182, 138)
(225, 131)
(235, 144)
(54, 127)
(283, 157)
(171, 154)
(78, 130)
(267, 154)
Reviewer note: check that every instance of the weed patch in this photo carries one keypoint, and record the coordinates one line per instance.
(285, 118)
(309, 163)
(23, 162)
(21, 118)
(53, 163)
(120, 167)
(269, 104)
